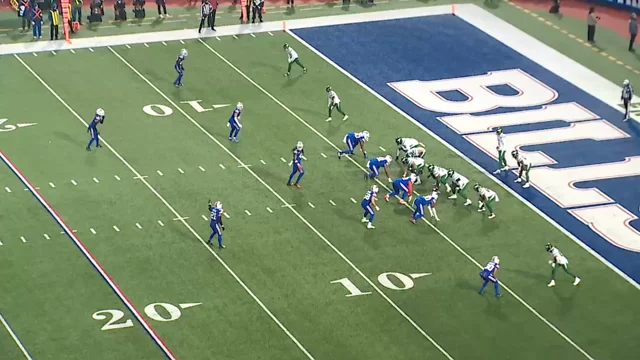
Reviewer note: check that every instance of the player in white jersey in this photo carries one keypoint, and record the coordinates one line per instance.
(404, 145)
(486, 199)
(333, 101)
(292, 58)
(559, 260)
(502, 151)
(416, 152)
(459, 186)
(440, 175)
(414, 165)
(524, 165)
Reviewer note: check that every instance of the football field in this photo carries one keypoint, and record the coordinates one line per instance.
(104, 252)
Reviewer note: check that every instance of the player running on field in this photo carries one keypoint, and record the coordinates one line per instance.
(292, 58)
(486, 199)
(375, 164)
(459, 186)
(216, 222)
(368, 204)
(333, 101)
(413, 165)
(440, 175)
(296, 164)
(404, 184)
(502, 151)
(352, 140)
(524, 165)
(559, 260)
(488, 274)
(428, 201)
(404, 145)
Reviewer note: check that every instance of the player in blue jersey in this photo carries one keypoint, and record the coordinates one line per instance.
(234, 123)
(179, 67)
(352, 140)
(428, 201)
(375, 164)
(92, 129)
(404, 184)
(369, 204)
(488, 274)
(296, 164)
(216, 222)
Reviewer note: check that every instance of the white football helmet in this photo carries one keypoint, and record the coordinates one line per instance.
(374, 188)
(389, 158)
(625, 82)
(366, 135)
(184, 52)
(100, 112)
(413, 177)
(299, 145)
(218, 205)
(239, 106)
(495, 259)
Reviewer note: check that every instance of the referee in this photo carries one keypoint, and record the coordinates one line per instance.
(627, 95)
(205, 10)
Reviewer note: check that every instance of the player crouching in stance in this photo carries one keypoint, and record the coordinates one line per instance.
(488, 274)
(292, 57)
(375, 164)
(216, 222)
(440, 175)
(524, 165)
(352, 140)
(459, 186)
(414, 165)
(486, 199)
(296, 164)
(334, 102)
(234, 123)
(404, 184)
(404, 145)
(427, 200)
(559, 260)
(368, 204)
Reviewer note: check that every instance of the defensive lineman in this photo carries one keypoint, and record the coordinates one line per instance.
(627, 95)
(375, 164)
(502, 151)
(459, 186)
(421, 202)
(352, 140)
(486, 199)
(404, 185)
(524, 166)
(404, 145)
(292, 57)
(92, 129)
(559, 260)
(368, 204)
(334, 102)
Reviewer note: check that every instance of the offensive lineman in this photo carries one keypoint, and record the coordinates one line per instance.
(459, 186)
(404, 145)
(486, 199)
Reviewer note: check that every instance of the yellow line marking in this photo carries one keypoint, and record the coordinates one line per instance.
(572, 36)
(612, 58)
(564, 31)
(579, 40)
(556, 27)
(548, 22)
(525, 10)
(604, 54)
(519, 7)
(534, 14)
(586, 44)
(628, 67)
(541, 19)
(619, 62)
(636, 71)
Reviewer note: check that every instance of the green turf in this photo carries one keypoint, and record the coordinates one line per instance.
(285, 261)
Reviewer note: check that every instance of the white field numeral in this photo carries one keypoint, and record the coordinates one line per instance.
(172, 311)
(407, 282)
(116, 315)
(353, 290)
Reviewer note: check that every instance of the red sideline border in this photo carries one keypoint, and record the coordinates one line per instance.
(58, 219)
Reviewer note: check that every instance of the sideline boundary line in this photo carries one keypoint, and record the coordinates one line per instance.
(58, 219)
(443, 235)
(279, 197)
(177, 215)
(15, 338)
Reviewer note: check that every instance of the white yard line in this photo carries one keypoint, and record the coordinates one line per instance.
(13, 335)
(172, 209)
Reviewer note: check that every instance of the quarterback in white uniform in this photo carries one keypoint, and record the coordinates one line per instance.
(334, 103)
(404, 145)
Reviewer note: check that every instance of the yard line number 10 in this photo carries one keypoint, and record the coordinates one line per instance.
(402, 282)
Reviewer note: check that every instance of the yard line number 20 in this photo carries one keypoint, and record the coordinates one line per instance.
(114, 317)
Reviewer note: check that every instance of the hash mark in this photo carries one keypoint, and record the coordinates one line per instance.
(269, 210)
(90, 49)
(34, 54)
(140, 177)
(288, 205)
(138, 226)
(353, 200)
(161, 223)
(180, 218)
(201, 168)
(263, 163)
(115, 228)
(159, 172)
(72, 51)
(244, 166)
(270, 33)
(235, 37)
(283, 160)
(180, 170)
(381, 148)
(74, 182)
(128, 47)
(181, 42)
(8, 190)
(226, 215)
(47, 237)
(117, 177)
(217, 38)
(332, 203)
(52, 185)
(252, 35)
(96, 180)
(312, 206)
(146, 45)
(53, 52)
(1, 243)
(247, 212)
(164, 43)
(92, 231)
(323, 155)
(23, 239)
(204, 218)
(222, 166)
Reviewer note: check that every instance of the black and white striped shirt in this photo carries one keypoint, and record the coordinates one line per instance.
(205, 10)
(627, 92)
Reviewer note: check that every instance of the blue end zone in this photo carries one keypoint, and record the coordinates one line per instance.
(445, 46)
